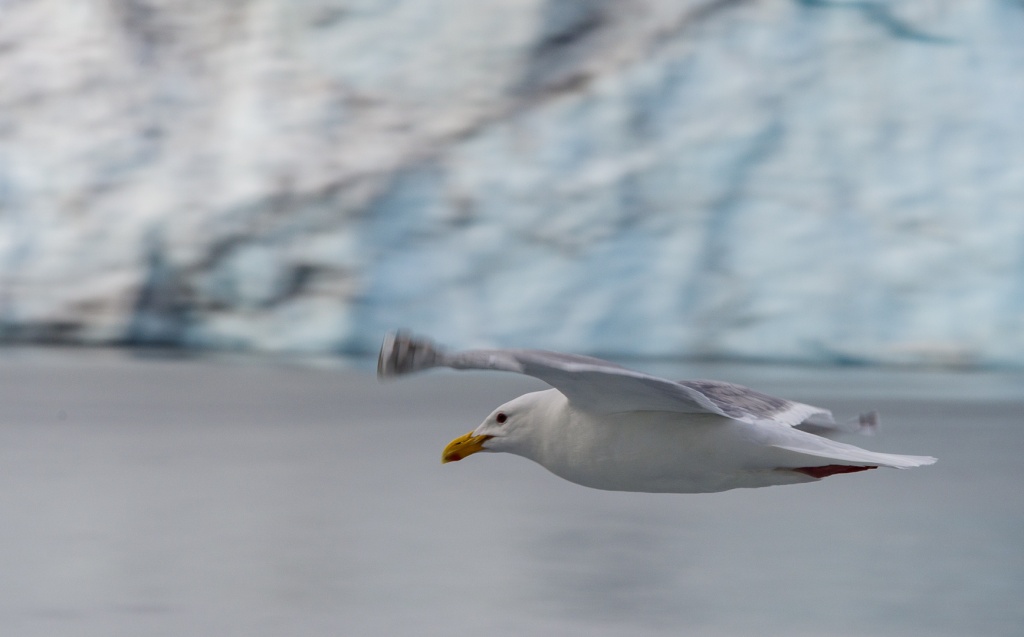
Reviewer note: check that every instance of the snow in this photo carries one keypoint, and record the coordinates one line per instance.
(779, 181)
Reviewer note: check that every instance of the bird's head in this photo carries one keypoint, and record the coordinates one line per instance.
(511, 428)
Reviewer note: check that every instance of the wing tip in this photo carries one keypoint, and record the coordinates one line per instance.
(401, 352)
(384, 357)
(867, 423)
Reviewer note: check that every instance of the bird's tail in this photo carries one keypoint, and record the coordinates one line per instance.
(848, 455)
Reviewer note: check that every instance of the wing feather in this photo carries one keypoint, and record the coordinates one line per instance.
(598, 386)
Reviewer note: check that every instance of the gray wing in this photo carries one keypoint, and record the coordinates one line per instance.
(598, 386)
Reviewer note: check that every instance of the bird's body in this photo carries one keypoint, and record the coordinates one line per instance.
(653, 451)
(607, 427)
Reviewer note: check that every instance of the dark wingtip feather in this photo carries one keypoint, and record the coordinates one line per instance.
(403, 353)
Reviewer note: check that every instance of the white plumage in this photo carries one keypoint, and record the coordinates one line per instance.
(608, 427)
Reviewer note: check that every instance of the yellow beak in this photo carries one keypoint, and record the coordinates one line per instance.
(463, 446)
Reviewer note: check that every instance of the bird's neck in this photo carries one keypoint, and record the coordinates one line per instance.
(551, 427)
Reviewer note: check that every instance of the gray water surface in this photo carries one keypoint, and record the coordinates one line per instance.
(232, 497)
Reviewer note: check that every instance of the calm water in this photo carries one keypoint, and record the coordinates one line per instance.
(228, 497)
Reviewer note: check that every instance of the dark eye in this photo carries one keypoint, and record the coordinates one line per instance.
(501, 417)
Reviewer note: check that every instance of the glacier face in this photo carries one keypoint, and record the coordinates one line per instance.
(782, 180)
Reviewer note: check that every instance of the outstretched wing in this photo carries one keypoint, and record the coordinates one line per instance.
(598, 386)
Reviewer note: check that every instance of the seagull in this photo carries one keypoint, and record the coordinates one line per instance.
(608, 427)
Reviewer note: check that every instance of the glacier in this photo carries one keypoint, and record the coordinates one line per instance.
(787, 181)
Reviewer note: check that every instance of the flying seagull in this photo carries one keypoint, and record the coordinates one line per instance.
(608, 427)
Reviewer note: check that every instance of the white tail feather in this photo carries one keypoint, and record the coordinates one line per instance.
(848, 454)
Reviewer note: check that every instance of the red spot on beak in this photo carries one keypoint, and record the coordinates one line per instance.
(830, 470)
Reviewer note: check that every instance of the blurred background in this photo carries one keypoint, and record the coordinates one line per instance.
(833, 189)
(772, 180)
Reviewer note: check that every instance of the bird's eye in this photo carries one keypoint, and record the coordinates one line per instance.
(501, 418)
